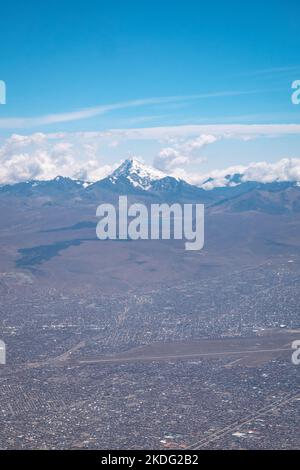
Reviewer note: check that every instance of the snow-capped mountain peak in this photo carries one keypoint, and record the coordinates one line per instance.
(137, 174)
(229, 180)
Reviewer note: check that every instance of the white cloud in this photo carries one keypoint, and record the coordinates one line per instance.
(241, 131)
(169, 158)
(182, 152)
(199, 142)
(86, 113)
(42, 156)
(286, 169)
(85, 154)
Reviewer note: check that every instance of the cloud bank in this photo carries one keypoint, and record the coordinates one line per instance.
(83, 155)
(286, 169)
(182, 152)
(44, 157)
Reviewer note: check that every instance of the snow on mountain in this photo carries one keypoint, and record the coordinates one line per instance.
(226, 181)
(135, 176)
(59, 184)
(136, 173)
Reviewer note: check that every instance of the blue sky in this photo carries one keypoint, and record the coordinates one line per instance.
(87, 66)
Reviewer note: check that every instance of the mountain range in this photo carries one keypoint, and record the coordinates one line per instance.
(143, 182)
